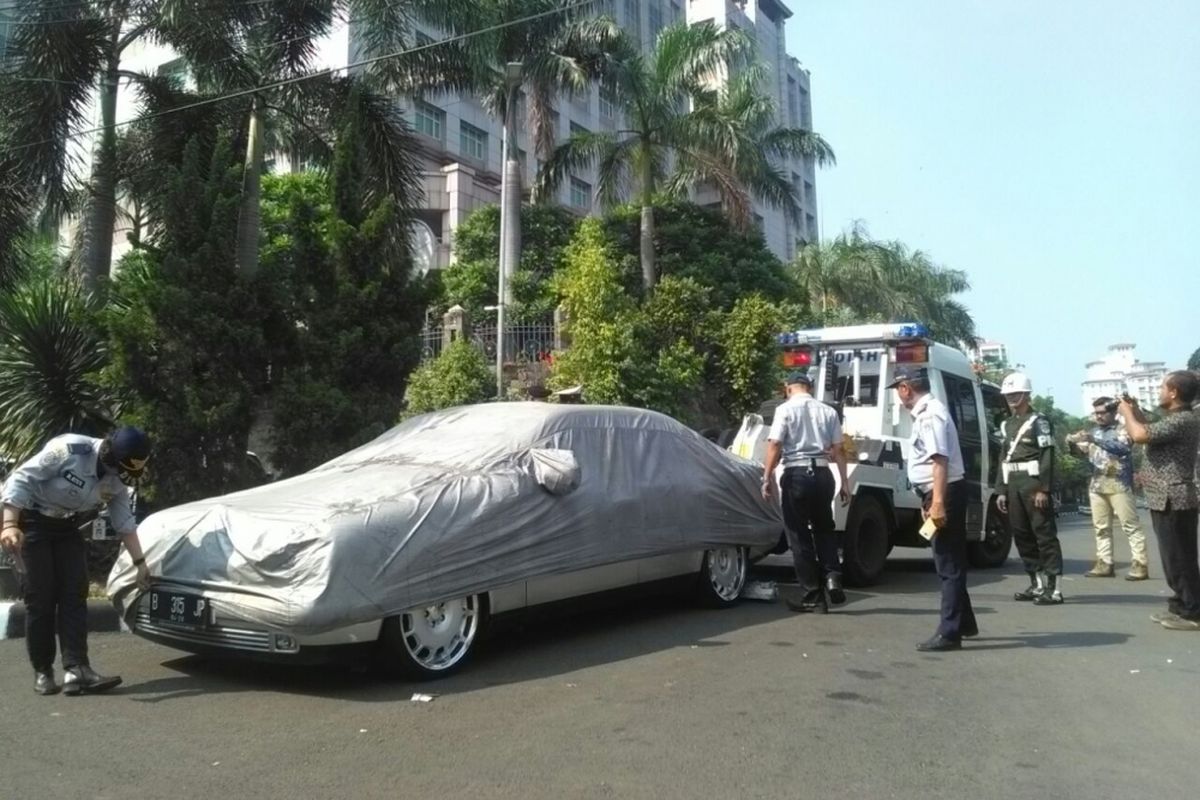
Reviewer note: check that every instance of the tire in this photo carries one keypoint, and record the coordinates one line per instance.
(433, 641)
(867, 541)
(993, 551)
(722, 576)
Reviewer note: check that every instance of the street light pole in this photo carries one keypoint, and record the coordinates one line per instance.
(510, 217)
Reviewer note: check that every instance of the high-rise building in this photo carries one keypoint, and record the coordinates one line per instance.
(1119, 372)
(461, 142)
(988, 353)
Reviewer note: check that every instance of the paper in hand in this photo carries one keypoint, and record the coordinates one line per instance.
(929, 528)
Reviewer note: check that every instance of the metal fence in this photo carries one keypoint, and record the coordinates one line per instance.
(523, 342)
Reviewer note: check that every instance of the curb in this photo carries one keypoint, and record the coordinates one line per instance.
(102, 618)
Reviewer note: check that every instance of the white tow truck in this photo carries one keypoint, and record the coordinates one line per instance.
(853, 365)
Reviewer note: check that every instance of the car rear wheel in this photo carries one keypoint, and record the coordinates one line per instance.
(722, 576)
(433, 641)
(867, 541)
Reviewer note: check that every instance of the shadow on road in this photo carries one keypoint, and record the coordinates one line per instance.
(516, 652)
(1055, 640)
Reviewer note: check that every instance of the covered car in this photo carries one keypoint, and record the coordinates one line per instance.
(415, 538)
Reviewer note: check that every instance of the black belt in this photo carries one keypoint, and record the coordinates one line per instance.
(33, 519)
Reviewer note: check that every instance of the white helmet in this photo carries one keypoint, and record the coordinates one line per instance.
(1016, 383)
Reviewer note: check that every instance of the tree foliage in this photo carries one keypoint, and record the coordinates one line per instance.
(1194, 362)
(188, 354)
(856, 278)
(471, 281)
(50, 356)
(347, 312)
(459, 376)
(1071, 474)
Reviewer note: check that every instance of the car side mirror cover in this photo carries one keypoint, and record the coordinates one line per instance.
(556, 471)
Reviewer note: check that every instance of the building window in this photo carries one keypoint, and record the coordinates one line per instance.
(676, 13)
(608, 102)
(656, 19)
(175, 71)
(805, 110)
(809, 196)
(633, 19)
(472, 142)
(581, 100)
(523, 160)
(793, 104)
(798, 187)
(810, 224)
(429, 120)
(581, 193)
(577, 128)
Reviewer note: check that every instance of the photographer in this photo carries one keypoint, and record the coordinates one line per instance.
(1110, 451)
(1170, 484)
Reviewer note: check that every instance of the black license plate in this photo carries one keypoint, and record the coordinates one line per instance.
(179, 608)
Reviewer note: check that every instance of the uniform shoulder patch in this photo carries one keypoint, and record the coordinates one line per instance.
(79, 448)
(1043, 425)
(54, 455)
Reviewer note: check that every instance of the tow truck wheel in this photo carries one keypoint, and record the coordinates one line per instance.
(993, 550)
(867, 541)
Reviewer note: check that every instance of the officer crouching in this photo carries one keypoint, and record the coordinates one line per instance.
(45, 501)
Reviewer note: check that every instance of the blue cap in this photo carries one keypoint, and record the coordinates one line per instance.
(130, 448)
(798, 376)
(907, 374)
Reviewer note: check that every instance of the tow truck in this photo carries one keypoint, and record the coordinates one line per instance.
(853, 364)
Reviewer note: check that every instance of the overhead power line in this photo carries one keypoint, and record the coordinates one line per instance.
(366, 62)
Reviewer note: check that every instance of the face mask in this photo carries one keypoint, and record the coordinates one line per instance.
(130, 471)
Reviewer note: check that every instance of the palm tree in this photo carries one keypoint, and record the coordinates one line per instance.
(275, 41)
(734, 129)
(49, 356)
(64, 57)
(724, 140)
(857, 279)
(562, 49)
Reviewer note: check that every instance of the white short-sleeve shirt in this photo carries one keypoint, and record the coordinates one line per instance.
(933, 434)
(806, 428)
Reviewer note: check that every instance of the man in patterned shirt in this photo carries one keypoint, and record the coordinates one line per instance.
(1170, 484)
(1108, 448)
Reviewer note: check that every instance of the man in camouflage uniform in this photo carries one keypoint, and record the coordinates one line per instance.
(1025, 487)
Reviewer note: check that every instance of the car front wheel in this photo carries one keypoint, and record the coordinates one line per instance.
(722, 576)
(433, 641)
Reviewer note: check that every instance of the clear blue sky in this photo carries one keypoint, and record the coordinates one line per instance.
(1049, 148)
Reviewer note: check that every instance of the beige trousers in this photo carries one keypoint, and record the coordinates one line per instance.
(1121, 506)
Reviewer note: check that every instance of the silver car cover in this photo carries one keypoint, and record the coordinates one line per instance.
(453, 503)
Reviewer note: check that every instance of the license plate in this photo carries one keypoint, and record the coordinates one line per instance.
(179, 608)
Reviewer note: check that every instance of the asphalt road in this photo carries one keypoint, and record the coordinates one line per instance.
(657, 699)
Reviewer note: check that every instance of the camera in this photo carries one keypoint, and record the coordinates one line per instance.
(1111, 408)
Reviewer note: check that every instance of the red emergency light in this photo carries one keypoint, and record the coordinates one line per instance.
(797, 357)
(912, 353)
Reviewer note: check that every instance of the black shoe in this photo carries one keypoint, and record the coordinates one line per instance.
(85, 680)
(44, 683)
(833, 584)
(1053, 599)
(811, 603)
(967, 633)
(939, 644)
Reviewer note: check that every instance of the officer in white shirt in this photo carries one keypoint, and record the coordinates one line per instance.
(805, 433)
(935, 469)
(45, 500)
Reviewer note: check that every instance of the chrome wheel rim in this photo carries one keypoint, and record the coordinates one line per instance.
(727, 571)
(438, 636)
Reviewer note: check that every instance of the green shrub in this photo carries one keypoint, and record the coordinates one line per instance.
(458, 377)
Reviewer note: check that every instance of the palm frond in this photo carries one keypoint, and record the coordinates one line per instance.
(49, 356)
(578, 153)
